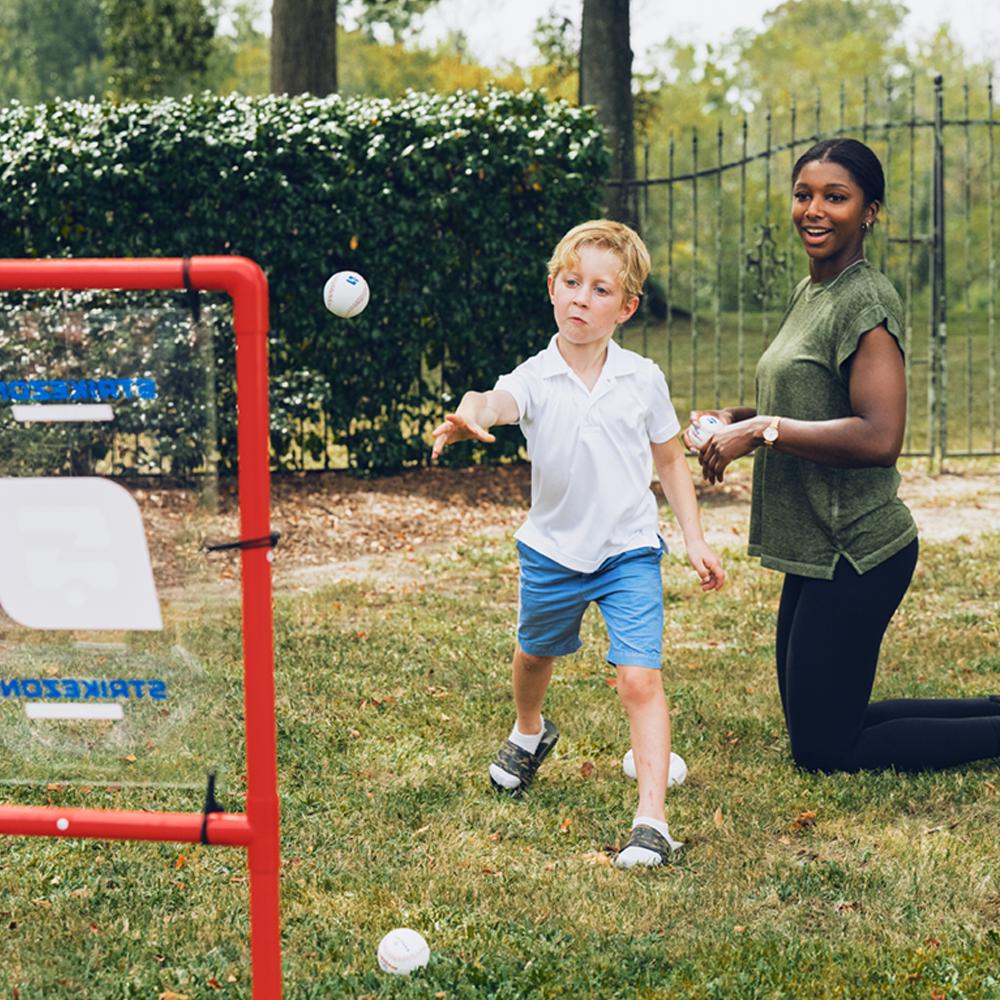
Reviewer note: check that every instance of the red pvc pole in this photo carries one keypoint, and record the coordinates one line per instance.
(258, 830)
(228, 829)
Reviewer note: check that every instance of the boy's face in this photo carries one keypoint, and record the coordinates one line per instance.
(587, 297)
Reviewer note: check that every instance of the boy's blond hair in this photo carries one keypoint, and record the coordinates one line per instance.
(609, 235)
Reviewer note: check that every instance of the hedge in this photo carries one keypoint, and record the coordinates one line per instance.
(449, 205)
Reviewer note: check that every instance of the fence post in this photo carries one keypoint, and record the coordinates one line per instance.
(939, 307)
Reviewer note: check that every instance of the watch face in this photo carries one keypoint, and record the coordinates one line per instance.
(770, 433)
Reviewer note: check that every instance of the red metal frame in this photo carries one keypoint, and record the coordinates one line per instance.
(257, 830)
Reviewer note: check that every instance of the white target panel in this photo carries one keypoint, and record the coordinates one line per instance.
(74, 556)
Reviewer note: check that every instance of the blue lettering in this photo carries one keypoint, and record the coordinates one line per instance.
(138, 685)
(119, 689)
(71, 688)
(107, 388)
(59, 390)
(157, 689)
(146, 387)
(90, 689)
(35, 689)
(4, 398)
(11, 687)
(20, 392)
(104, 689)
(51, 688)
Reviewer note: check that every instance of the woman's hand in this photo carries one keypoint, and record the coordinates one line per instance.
(692, 443)
(726, 445)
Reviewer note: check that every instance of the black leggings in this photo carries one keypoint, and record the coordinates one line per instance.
(829, 633)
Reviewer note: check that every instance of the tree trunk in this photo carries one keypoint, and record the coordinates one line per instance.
(606, 82)
(304, 47)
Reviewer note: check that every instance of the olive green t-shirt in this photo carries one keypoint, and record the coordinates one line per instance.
(804, 516)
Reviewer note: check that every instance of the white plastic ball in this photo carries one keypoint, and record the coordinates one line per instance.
(706, 425)
(676, 773)
(402, 951)
(345, 294)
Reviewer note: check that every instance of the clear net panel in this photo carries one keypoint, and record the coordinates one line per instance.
(120, 654)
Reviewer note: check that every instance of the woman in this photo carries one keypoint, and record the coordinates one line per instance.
(831, 409)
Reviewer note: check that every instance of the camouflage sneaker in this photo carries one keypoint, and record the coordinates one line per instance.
(521, 763)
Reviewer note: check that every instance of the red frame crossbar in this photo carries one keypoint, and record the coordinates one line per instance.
(257, 829)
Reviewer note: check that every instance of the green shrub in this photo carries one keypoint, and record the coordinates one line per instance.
(448, 205)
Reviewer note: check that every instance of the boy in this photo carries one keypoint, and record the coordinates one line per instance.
(594, 415)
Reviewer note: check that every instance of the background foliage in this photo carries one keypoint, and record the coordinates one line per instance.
(449, 205)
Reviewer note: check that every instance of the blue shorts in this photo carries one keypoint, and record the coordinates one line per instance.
(627, 589)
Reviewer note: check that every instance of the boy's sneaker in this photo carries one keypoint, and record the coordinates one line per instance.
(647, 846)
(516, 762)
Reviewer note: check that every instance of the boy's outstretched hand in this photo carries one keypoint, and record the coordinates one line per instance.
(707, 565)
(456, 428)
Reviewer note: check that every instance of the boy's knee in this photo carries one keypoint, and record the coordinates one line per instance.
(532, 663)
(639, 685)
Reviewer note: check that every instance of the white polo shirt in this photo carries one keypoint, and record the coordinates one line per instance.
(591, 465)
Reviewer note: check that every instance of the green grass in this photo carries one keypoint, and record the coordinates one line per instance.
(391, 702)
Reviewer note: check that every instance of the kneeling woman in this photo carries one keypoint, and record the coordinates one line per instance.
(829, 421)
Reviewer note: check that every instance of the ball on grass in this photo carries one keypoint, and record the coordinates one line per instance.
(345, 294)
(402, 951)
(676, 772)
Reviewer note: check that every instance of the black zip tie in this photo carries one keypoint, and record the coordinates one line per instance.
(211, 806)
(194, 299)
(266, 542)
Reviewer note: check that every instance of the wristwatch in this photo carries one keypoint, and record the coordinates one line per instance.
(771, 432)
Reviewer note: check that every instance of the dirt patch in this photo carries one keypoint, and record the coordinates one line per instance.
(336, 527)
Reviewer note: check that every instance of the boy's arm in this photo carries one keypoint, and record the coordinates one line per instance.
(678, 487)
(477, 412)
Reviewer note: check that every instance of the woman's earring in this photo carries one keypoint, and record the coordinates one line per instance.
(864, 227)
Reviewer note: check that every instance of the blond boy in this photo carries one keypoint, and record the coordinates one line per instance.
(596, 418)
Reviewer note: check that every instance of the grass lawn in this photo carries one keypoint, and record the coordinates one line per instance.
(391, 702)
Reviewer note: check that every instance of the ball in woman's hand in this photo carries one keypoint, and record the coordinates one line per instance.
(702, 429)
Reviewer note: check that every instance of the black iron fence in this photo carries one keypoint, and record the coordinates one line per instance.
(714, 211)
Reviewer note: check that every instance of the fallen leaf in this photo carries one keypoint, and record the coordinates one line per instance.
(802, 821)
(718, 819)
(565, 825)
(848, 905)
(739, 929)
(170, 995)
(990, 787)
(495, 836)
(587, 768)
(214, 984)
(180, 862)
(932, 942)
(596, 858)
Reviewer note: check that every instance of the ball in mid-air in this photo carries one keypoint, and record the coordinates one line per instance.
(705, 426)
(402, 951)
(676, 773)
(345, 294)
